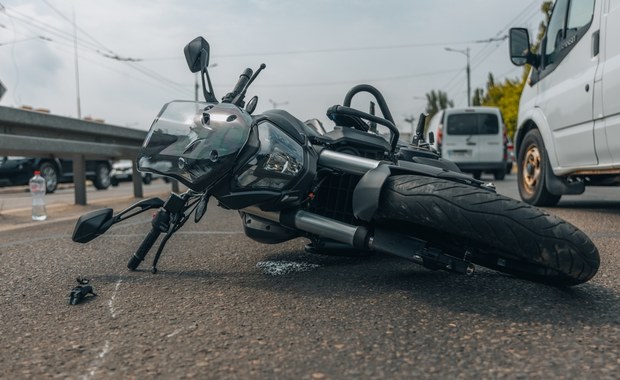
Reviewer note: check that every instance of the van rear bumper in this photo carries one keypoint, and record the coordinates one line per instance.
(481, 166)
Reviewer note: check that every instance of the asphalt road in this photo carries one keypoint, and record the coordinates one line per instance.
(223, 306)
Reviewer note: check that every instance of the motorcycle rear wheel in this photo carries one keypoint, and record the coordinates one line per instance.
(497, 232)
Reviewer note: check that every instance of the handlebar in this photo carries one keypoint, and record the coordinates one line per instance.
(144, 248)
(159, 224)
(244, 78)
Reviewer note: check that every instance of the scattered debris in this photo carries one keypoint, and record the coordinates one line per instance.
(279, 268)
(80, 292)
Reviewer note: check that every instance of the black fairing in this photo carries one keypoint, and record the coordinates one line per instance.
(289, 124)
(232, 196)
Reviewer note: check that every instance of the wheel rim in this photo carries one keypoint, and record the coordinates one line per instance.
(104, 176)
(532, 169)
(51, 180)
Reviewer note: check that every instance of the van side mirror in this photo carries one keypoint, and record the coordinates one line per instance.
(520, 49)
(197, 54)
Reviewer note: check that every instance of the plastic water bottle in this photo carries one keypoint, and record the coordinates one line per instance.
(37, 189)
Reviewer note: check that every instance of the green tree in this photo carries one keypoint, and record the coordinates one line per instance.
(437, 101)
(477, 99)
(505, 96)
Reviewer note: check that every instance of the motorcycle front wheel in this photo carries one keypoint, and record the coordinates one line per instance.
(488, 229)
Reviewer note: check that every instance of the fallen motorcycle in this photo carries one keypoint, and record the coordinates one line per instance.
(352, 189)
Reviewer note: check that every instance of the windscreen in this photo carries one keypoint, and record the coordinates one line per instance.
(195, 142)
(473, 124)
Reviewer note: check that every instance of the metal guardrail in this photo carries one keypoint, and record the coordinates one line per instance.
(30, 133)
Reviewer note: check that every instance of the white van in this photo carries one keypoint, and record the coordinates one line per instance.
(568, 132)
(473, 138)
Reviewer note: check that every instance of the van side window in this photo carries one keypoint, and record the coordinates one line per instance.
(555, 31)
(570, 19)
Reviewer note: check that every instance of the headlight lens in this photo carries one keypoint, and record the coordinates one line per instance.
(279, 160)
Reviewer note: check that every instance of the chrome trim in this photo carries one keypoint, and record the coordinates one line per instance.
(346, 162)
(312, 223)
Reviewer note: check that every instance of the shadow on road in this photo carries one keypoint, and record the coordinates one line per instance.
(486, 293)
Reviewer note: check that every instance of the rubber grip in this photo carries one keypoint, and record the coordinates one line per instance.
(144, 248)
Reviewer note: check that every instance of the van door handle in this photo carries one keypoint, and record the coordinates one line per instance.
(471, 143)
(596, 43)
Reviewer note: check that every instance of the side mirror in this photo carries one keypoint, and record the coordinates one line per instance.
(91, 225)
(251, 106)
(197, 54)
(520, 50)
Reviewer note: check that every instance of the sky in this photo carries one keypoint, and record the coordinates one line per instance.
(130, 58)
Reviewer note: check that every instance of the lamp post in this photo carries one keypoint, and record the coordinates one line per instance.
(466, 52)
(277, 104)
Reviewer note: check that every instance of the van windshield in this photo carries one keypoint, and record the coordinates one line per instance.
(473, 124)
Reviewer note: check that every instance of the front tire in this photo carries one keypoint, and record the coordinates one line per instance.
(532, 169)
(494, 231)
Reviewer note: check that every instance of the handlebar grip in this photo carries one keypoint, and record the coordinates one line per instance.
(144, 248)
(243, 80)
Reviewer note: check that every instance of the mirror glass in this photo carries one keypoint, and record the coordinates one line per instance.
(91, 225)
(197, 54)
(519, 46)
(251, 106)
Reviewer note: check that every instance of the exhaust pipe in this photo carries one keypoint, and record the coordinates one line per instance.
(355, 236)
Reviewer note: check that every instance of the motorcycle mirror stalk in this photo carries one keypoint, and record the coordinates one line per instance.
(96, 223)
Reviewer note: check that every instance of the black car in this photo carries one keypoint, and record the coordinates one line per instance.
(15, 171)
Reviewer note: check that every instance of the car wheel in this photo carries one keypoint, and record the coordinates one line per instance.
(477, 174)
(147, 179)
(49, 171)
(114, 181)
(532, 168)
(499, 174)
(102, 177)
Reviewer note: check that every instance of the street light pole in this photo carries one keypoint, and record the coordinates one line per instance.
(277, 104)
(466, 52)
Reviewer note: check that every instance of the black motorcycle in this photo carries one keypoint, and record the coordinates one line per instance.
(352, 190)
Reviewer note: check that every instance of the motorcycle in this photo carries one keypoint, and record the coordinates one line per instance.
(350, 190)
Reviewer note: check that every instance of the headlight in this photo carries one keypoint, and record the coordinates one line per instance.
(279, 160)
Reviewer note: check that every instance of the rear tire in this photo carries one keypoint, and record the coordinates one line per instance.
(499, 232)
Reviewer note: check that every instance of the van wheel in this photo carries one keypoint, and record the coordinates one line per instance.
(532, 168)
(102, 177)
(49, 171)
(499, 175)
(477, 174)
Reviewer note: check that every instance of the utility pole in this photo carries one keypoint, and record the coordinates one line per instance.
(77, 69)
(410, 119)
(276, 104)
(466, 52)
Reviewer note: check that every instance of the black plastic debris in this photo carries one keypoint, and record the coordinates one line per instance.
(81, 292)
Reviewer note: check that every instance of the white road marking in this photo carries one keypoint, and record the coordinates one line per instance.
(111, 301)
(96, 364)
